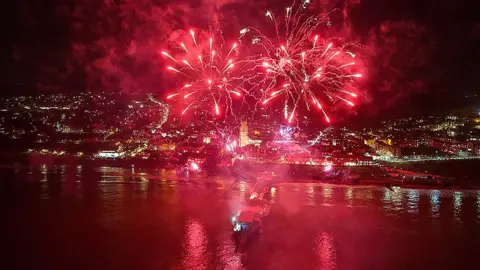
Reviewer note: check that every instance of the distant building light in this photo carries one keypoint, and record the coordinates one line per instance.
(108, 154)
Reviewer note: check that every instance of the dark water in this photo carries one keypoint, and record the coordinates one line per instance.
(459, 169)
(62, 217)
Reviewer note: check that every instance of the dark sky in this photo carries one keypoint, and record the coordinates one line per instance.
(423, 55)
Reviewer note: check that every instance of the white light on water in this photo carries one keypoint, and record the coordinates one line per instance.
(457, 203)
(435, 202)
(478, 206)
(412, 200)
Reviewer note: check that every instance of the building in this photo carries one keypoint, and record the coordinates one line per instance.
(244, 140)
(474, 148)
(449, 145)
(110, 154)
(261, 132)
(384, 148)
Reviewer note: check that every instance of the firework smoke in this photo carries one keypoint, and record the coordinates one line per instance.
(116, 46)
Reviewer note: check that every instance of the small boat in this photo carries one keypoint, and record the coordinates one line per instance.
(248, 221)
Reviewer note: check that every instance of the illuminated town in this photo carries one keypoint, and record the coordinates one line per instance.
(104, 127)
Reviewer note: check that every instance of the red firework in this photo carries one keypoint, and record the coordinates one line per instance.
(303, 67)
(207, 73)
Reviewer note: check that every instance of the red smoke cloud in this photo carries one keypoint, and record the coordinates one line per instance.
(399, 65)
(116, 45)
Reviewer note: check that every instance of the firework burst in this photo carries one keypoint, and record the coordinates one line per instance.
(301, 66)
(205, 68)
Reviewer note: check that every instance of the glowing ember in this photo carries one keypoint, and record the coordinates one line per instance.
(195, 166)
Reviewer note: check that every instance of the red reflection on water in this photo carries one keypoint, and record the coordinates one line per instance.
(327, 193)
(195, 246)
(326, 252)
(226, 252)
(310, 195)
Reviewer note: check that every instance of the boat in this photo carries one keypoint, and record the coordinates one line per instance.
(248, 221)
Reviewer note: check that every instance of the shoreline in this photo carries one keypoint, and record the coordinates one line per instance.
(357, 176)
(170, 176)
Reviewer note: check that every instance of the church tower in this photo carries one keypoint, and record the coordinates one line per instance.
(243, 133)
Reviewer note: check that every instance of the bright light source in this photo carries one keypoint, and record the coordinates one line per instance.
(195, 167)
(327, 168)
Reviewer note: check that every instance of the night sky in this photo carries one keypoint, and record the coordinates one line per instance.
(423, 56)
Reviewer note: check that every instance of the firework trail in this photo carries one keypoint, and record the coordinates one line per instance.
(206, 70)
(300, 65)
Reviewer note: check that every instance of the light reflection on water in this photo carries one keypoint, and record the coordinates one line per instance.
(63, 169)
(373, 218)
(412, 198)
(393, 199)
(43, 180)
(326, 252)
(435, 203)
(398, 200)
(229, 260)
(478, 206)
(368, 194)
(106, 169)
(457, 204)
(195, 246)
(113, 211)
(311, 194)
(387, 195)
(43, 171)
(349, 195)
(327, 194)
(144, 187)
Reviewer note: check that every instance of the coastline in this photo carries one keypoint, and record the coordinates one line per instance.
(159, 171)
